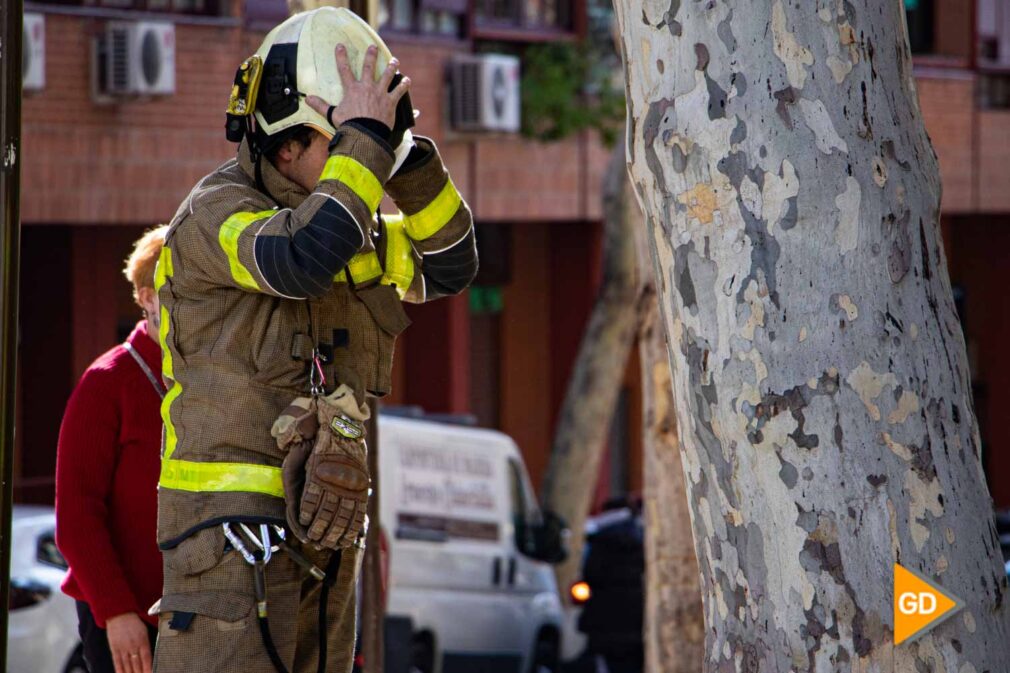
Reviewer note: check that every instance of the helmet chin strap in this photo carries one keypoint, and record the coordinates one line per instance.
(259, 178)
(256, 154)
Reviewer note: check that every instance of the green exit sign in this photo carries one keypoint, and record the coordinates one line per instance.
(911, 5)
(486, 299)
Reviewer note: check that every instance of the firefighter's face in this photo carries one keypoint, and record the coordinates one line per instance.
(303, 164)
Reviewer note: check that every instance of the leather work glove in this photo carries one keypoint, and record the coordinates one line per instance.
(334, 498)
(295, 431)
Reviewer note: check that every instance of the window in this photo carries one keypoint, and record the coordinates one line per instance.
(199, 7)
(943, 30)
(919, 14)
(442, 18)
(264, 14)
(47, 553)
(530, 15)
(993, 21)
(525, 514)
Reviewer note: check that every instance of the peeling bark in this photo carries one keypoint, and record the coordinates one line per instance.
(674, 624)
(588, 407)
(820, 378)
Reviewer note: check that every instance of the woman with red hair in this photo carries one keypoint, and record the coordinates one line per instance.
(107, 469)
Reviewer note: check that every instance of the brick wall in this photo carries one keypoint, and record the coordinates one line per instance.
(133, 162)
(994, 161)
(130, 162)
(947, 102)
(973, 145)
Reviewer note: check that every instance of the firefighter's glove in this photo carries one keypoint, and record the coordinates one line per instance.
(295, 430)
(335, 498)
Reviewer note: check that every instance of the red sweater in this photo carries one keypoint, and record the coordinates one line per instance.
(107, 469)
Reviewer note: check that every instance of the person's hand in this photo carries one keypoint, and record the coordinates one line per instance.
(128, 641)
(363, 97)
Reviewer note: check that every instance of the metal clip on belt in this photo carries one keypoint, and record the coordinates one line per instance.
(258, 559)
(236, 541)
(263, 543)
(317, 378)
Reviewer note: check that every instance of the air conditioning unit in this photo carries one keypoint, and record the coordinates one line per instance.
(485, 93)
(136, 58)
(33, 54)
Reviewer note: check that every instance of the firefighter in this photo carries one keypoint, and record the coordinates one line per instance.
(281, 287)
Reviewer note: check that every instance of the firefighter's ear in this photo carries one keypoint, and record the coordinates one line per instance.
(288, 151)
(148, 300)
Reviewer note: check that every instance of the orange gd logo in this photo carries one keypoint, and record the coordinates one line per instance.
(919, 604)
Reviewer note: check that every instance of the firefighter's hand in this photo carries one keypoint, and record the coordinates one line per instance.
(129, 644)
(363, 97)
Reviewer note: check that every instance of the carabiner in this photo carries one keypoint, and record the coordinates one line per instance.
(237, 543)
(317, 378)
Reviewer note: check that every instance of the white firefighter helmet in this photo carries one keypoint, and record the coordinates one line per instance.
(298, 60)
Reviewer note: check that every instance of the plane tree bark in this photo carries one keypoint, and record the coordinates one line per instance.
(674, 625)
(820, 378)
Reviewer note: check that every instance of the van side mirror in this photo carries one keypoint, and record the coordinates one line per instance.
(546, 540)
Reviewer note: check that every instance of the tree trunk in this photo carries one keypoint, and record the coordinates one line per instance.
(588, 407)
(820, 375)
(674, 625)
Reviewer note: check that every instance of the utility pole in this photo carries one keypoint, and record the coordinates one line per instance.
(11, 16)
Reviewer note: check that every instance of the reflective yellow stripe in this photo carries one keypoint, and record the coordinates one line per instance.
(186, 475)
(163, 269)
(364, 266)
(399, 257)
(162, 272)
(355, 175)
(166, 355)
(171, 439)
(435, 215)
(228, 237)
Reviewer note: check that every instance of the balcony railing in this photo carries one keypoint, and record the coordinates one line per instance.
(187, 7)
(524, 19)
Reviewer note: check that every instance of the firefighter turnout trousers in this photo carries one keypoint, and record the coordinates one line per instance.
(208, 619)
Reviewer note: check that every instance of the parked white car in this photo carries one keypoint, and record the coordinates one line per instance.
(468, 550)
(42, 631)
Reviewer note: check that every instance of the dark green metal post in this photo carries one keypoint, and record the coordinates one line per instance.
(11, 17)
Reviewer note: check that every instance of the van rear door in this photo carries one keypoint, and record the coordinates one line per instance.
(447, 515)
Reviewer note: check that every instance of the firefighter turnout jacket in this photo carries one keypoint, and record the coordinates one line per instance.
(258, 289)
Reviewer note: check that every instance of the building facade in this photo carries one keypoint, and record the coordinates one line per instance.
(98, 170)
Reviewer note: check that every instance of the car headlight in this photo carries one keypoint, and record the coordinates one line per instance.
(26, 593)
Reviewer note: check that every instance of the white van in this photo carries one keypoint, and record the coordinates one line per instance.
(468, 550)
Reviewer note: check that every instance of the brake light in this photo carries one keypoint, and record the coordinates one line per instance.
(580, 593)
